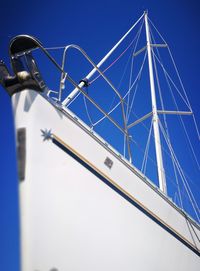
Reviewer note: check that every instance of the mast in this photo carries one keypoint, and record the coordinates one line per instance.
(159, 158)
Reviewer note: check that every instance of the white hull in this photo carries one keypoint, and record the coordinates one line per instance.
(77, 214)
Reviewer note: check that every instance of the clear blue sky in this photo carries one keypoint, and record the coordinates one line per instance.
(95, 26)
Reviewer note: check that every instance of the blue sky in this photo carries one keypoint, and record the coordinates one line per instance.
(95, 26)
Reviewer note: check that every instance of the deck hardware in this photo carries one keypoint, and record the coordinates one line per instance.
(108, 162)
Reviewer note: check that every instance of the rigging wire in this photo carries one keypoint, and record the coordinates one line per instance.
(167, 134)
(167, 74)
(136, 79)
(87, 112)
(180, 80)
(181, 173)
(114, 61)
(131, 69)
(115, 96)
(130, 82)
(136, 88)
(110, 110)
(150, 158)
(181, 120)
(179, 167)
(153, 160)
(164, 117)
(118, 87)
(192, 227)
(186, 133)
(144, 162)
(194, 119)
(169, 178)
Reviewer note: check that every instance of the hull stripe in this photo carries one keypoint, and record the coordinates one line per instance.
(114, 186)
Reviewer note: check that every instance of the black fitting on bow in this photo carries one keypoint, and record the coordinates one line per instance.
(85, 81)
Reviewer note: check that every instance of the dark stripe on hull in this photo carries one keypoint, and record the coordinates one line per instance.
(122, 194)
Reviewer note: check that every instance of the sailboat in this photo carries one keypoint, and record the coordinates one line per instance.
(84, 205)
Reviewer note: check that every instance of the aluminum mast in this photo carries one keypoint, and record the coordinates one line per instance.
(159, 158)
